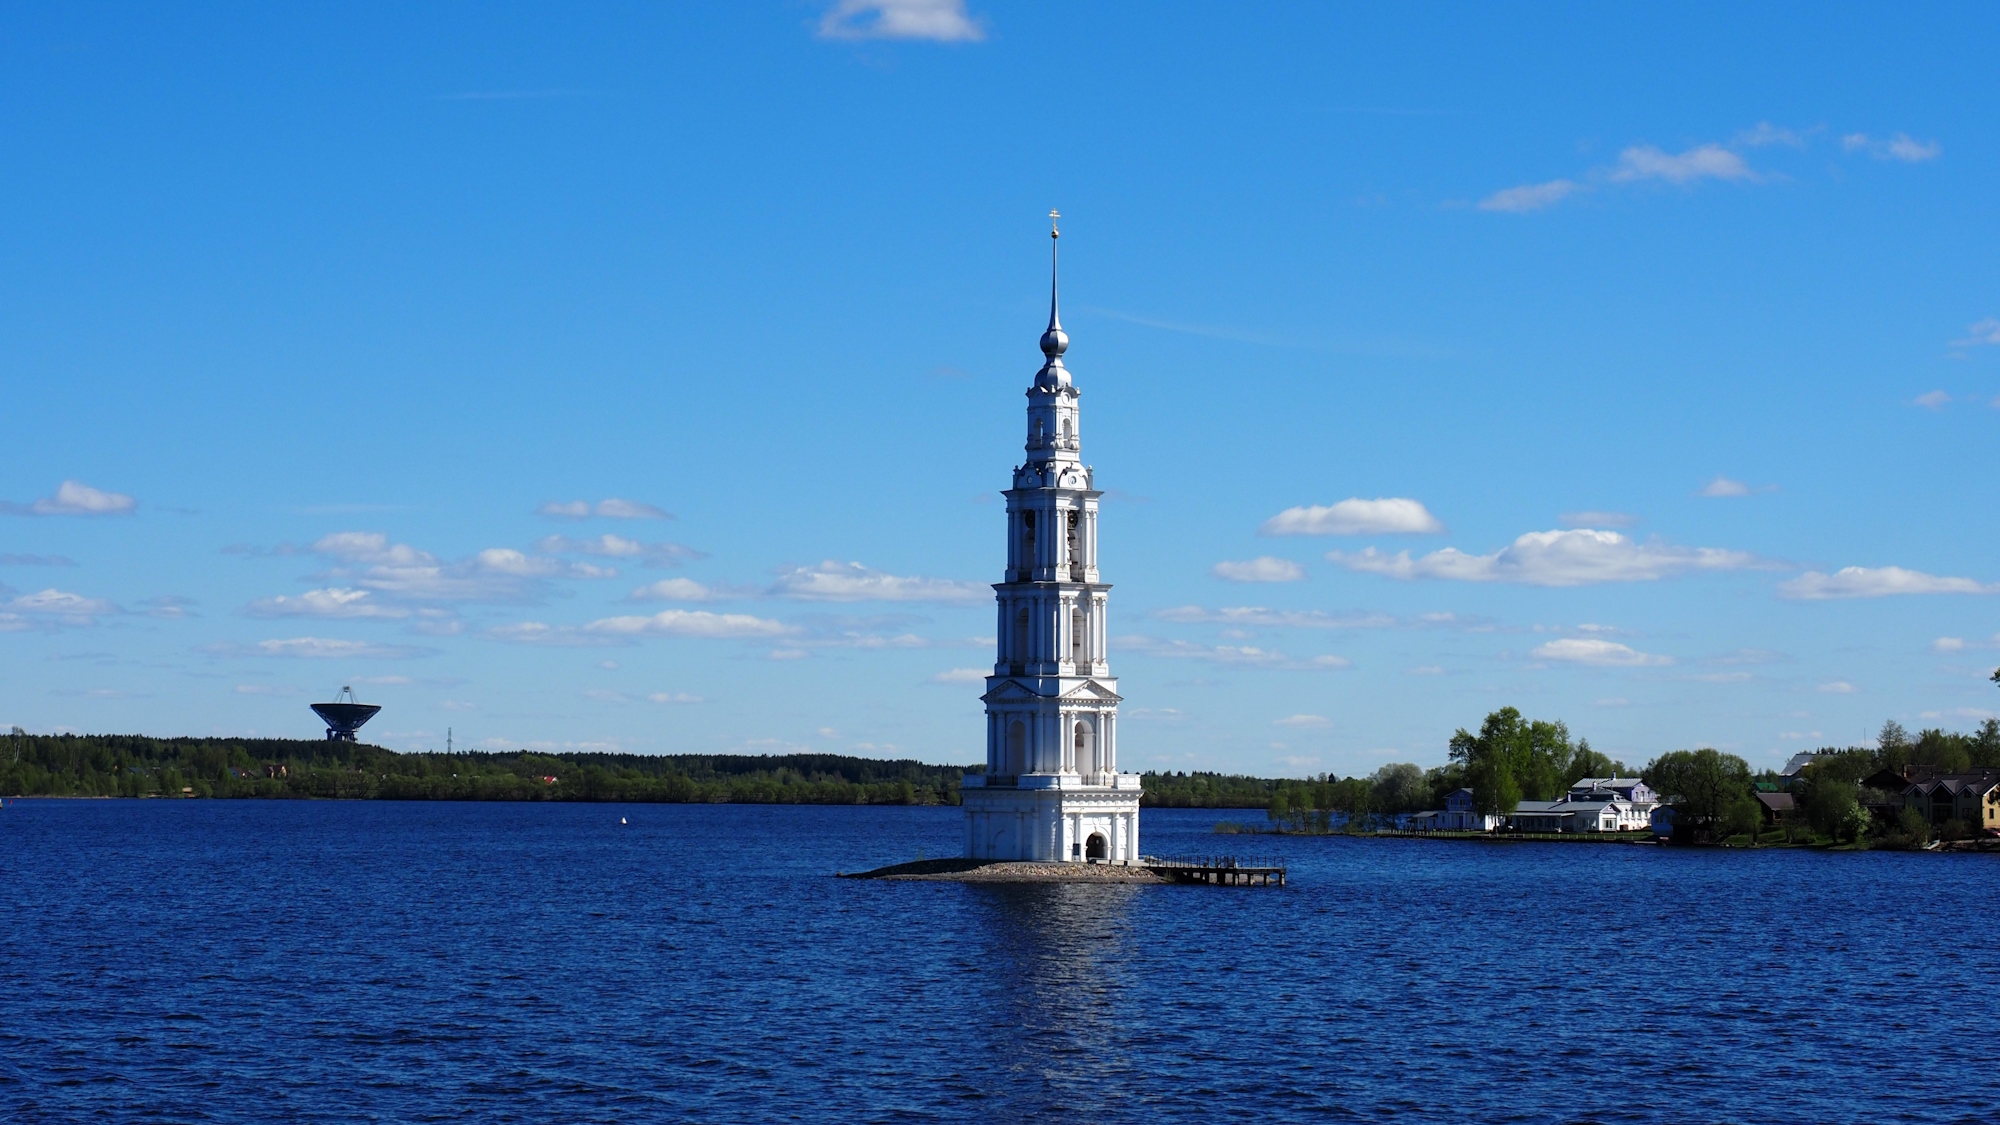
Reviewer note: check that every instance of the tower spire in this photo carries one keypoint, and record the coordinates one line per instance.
(1055, 233)
(1054, 341)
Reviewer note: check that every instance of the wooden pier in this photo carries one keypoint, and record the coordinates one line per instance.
(1218, 871)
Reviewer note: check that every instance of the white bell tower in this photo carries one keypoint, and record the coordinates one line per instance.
(1052, 790)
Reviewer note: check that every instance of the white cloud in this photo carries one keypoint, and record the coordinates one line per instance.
(610, 508)
(1899, 146)
(36, 560)
(1303, 721)
(369, 547)
(75, 498)
(51, 609)
(403, 573)
(1188, 650)
(1261, 569)
(1980, 332)
(833, 581)
(940, 21)
(1800, 735)
(619, 547)
(676, 697)
(330, 602)
(1597, 653)
(1876, 582)
(1354, 516)
(1577, 557)
(1709, 161)
(1948, 644)
(688, 623)
(960, 676)
(320, 648)
(672, 590)
(1530, 197)
(602, 695)
(1903, 147)
(1932, 400)
(508, 562)
(1424, 670)
(1614, 701)
(1765, 133)
(1838, 687)
(1594, 518)
(1252, 616)
(1723, 486)
(1249, 656)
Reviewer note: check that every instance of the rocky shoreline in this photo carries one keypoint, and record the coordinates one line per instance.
(991, 871)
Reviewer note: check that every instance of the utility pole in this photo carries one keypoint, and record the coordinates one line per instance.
(447, 742)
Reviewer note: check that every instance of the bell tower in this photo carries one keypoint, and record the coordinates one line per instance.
(1052, 790)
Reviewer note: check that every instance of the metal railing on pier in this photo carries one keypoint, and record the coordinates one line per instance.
(1226, 870)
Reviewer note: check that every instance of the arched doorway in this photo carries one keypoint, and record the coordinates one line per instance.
(1097, 847)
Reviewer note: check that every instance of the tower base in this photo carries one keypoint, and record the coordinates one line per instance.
(1052, 818)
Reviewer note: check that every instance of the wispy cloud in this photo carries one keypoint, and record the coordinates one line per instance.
(1876, 582)
(1248, 656)
(1597, 519)
(1261, 569)
(833, 581)
(1531, 197)
(1980, 333)
(74, 498)
(960, 676)
(1764, 133)
(1702, 162)
(618, 547)
(1723, 487)
(1932, 400)
(1838, 687)
(332, 602)
(1355, 516)
(1597, 653)
(1303, 722)
(319, 648)
(611, 508)
(629, 628)
(1577, 557)
(940, 21)
(1250, 616)
(1896, 146)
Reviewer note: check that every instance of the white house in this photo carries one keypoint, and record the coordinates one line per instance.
(1052, 789)
(1593, 804)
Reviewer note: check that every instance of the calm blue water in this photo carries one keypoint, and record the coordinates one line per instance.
(259, 961)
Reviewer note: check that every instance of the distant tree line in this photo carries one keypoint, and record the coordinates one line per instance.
(140, 766)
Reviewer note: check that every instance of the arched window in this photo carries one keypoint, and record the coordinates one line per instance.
(1022, 642)
(1017, 748)
(1076, 649)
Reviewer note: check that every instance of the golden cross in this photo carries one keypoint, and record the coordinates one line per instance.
(1053, 216)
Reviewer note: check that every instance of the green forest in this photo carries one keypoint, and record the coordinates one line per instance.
(139, 766)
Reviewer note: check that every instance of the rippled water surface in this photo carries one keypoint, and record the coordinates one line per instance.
(261, 961)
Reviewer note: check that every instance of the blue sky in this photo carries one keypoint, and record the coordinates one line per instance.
(643, 376)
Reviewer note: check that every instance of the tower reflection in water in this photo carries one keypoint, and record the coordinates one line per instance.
(1054, 973)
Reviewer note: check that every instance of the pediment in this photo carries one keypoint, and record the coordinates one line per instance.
(1091, 689)
(1009, 691)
